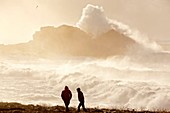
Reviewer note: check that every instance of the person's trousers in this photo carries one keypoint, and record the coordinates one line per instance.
(66, 105)
(81, 104)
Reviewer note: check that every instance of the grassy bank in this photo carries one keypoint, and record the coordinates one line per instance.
(20, 108)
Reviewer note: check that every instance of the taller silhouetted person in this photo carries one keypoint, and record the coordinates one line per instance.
(81, 100)
(66, 95)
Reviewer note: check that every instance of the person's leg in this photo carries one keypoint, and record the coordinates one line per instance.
(79, 107)
(66, 104)
(67, 109)
(82, 103)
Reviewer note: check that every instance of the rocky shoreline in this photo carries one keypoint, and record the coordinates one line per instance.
(20, 108)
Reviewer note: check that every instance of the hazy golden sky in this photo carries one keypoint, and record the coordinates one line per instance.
(19, 19)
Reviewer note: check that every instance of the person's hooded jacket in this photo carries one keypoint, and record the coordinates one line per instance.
(66, 94)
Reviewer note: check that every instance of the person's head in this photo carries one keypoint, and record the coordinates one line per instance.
(66, 87)
(78, 89)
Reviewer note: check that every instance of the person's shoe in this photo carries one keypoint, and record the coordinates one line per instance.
(85, 110)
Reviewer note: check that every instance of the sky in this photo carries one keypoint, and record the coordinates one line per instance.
(19, 19)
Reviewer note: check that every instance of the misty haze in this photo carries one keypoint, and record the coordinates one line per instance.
(115, 64)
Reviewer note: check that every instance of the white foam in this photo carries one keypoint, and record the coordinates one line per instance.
(95, 22)
(114, 82)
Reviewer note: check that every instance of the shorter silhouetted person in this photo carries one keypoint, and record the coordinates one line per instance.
(81, 100)
(66, 95)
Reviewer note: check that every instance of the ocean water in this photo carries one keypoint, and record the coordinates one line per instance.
(137, 80)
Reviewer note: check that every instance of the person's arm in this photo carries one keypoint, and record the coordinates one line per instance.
(70, 95)
(82, 96)
(62, 95)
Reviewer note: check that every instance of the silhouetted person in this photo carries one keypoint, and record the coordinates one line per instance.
(81, 100)
(66, 96)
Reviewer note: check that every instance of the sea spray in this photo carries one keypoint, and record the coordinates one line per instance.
(138, 79)
(95, 22)
(113, 82)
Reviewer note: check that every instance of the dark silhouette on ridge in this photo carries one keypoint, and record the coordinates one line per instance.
(66, 95)
(81, 100)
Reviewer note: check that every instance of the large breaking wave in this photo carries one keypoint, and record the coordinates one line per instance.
(95, 22)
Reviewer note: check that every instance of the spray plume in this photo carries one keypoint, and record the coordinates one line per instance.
(95, 22)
